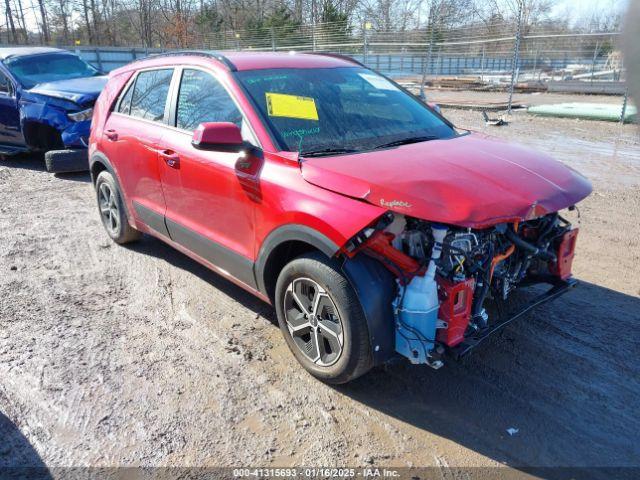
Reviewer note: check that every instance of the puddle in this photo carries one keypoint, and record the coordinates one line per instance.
(616, 161)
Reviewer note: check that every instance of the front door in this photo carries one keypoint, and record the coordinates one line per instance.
(210, 207)
(10, 133)
(131, 136)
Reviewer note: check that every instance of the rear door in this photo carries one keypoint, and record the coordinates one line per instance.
(10, 133)
(210, 195)
(131, 136)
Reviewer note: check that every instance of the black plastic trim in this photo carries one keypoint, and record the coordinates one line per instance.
(203, 53)
(559, 287)
(151, 219)
(376, 290)
(235, 264)
(102, 158)
(286, 233)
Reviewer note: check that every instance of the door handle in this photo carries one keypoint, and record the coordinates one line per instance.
(111, 135)
(171, 158)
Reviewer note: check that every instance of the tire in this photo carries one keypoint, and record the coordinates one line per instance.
(112, 210)
(337, 336)
(65, 161)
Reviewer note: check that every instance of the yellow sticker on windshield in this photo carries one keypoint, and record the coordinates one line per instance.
(291, 106)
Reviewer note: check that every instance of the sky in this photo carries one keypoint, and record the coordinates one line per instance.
(584, 8)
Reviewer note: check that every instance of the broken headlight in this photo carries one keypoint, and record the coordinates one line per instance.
(81, 116)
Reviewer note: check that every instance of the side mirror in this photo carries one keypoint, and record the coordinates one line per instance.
(223, 136)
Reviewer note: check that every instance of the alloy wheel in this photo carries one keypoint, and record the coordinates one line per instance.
(109, 208)
(313, 322)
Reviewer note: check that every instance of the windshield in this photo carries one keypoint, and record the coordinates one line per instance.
(30, 71)
(339, 110)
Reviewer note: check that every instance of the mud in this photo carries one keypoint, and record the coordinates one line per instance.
(115, 356)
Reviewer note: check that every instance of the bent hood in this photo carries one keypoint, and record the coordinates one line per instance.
(77, 90)
(471, 181)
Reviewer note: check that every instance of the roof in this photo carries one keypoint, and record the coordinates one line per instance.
(26, 51)
(239, 61)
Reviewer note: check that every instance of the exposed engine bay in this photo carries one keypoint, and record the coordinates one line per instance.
(445, 275)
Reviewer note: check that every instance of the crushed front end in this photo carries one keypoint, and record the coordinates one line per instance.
(446, 276)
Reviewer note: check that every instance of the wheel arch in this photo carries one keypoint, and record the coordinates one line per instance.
(39, 135)
(373, 283)
(98, 162)
(283, 245)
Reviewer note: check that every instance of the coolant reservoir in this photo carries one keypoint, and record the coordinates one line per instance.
(417, 310)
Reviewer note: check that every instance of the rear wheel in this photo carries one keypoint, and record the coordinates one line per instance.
(112, 211)
(321, 319)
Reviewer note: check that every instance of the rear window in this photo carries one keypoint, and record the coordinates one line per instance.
(149, 96)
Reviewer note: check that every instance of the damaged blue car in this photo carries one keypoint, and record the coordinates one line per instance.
(46, 104)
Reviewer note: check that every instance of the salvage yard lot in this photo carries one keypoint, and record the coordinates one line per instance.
(139, 356)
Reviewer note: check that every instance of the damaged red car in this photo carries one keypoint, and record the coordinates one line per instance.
(374, 226)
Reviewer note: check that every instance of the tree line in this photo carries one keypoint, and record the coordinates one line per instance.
(258, 23)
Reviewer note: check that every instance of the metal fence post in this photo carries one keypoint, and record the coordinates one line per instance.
(313, 36)
(273, 40)
(593, 62)
(365, 47)
(516, 54)
(482, 64)
(429, 52)
(624, 105)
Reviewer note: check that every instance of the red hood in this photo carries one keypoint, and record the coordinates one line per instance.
(472, 180)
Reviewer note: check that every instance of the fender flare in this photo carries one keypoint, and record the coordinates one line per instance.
(102, 158)
(287, 233)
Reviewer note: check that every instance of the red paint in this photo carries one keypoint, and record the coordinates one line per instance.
(456, 300)
(216, 133)
(565, 254)
(471, 181)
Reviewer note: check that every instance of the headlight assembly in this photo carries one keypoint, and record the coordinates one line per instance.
(81, 116)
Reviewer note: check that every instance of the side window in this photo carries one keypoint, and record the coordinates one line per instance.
(150, 94)
(203, 99)
(5, 85)
(125, 102)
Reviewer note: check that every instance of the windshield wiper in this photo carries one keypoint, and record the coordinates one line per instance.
(327, 151)
(406, 141)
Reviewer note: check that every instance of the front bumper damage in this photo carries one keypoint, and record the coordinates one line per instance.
(558, 287)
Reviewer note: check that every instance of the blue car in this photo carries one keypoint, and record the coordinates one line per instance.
(46, 103)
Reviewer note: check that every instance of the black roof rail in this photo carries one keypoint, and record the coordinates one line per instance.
(337, 55)
(203, 53)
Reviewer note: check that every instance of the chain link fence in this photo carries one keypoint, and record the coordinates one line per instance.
(504, 56)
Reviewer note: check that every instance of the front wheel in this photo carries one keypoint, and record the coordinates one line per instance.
(322, 320)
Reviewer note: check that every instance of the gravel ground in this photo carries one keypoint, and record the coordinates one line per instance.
(114, 356)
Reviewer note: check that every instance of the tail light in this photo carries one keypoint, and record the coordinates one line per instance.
(565, 253)
(455, 309)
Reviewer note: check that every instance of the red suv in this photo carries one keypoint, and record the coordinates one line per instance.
(373, 225)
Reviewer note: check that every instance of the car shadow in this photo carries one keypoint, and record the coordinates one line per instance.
(82, 177)
(18, 458)
(565, 376)
(24, 161)
(36, 163)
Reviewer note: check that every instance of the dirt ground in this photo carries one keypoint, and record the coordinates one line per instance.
(114, 356)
